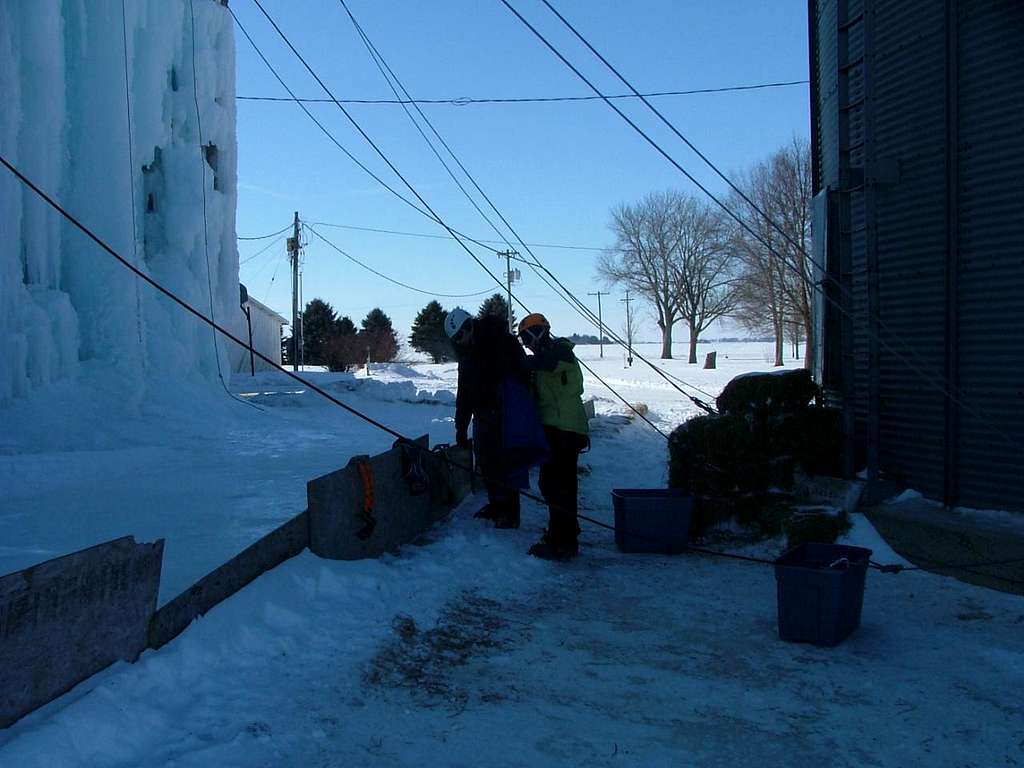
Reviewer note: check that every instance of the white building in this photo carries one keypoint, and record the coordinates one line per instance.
(262, 325)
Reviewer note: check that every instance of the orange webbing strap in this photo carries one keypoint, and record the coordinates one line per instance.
(366, 475)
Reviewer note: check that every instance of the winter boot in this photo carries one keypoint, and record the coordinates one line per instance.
(508, 514)
(555, 547)
(487, 512)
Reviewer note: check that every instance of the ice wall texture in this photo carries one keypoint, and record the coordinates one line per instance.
(68, 86)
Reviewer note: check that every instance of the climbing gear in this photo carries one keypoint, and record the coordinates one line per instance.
(366, 515)
(413, 471)
(455, 321)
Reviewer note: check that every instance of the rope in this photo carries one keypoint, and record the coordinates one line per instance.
(131, 173)
(370, 420)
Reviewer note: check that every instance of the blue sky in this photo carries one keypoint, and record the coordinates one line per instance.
(554, 170)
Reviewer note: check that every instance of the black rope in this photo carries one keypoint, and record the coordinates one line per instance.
(466, 100)
(217, 327)
(354, 411)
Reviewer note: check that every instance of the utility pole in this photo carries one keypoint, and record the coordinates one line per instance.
(600, 322)
(293, 255)
(511, 276)
(629, 330)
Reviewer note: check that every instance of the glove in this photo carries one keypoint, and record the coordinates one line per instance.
(462, 438)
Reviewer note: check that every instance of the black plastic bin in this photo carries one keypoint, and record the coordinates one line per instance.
(821, 592)
(655, 520)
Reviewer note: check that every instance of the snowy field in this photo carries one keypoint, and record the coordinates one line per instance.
(465, 651)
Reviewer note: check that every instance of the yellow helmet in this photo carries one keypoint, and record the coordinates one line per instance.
(534, 320)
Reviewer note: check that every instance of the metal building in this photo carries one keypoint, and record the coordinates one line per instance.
(917, 112)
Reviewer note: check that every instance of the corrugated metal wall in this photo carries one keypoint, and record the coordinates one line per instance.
(989, 287)
(934, 253)
(909, 94)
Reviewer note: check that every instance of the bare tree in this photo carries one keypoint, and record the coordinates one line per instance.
(705, 279)
(642, 260)
(672, 251)
(775, 283)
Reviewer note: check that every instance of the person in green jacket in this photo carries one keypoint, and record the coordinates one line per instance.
(558, 386)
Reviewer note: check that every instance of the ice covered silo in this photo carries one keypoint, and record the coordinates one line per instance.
(125, 114)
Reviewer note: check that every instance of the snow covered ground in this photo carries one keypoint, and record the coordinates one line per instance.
(465, 651)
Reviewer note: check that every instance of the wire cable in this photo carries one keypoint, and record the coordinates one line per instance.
(466, 100)
(446, 237)
(389, 75)
(368, 268)
(265, 237)
(260, 252)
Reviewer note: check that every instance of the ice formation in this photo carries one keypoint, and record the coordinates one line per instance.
(71, 73)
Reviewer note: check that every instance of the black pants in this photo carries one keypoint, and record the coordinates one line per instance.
(490, 462)
(559, 484)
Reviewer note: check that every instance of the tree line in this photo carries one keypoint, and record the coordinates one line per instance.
(692, 263)
(334, 341)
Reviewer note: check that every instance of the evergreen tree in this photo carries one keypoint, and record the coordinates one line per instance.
(497, 306)
(344, 348)
(428, 334)
(318, 327)
(379, 337)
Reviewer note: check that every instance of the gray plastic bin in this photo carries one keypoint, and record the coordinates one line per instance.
(820, 592)
(653, 520)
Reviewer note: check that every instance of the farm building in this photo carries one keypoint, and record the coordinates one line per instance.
(261, 326)
(918, 155)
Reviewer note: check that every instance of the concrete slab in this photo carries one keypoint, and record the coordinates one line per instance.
(66, 619)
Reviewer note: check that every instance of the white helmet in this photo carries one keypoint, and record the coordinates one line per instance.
(454, 321)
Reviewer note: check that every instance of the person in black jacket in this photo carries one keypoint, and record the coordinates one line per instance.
(487, 354)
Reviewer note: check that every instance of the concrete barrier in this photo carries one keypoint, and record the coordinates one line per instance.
(273, 549)
(338, 527)
(66, 619)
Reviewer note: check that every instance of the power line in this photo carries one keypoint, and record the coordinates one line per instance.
(435, 236)
(368, 268)
(390, 75)
(260, 252)
(355, 124)
(568, 296)
(466, 100)
(265, 237)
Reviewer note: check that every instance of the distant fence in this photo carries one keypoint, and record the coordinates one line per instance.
(64, 620)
